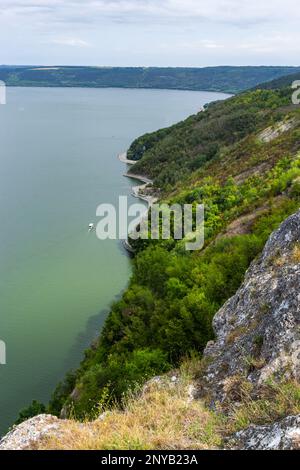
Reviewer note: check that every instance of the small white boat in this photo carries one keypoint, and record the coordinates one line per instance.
(91, 226)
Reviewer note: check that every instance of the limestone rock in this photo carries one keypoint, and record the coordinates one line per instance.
(273, 132)
(258, 329)
(27, 434)
(284, 435)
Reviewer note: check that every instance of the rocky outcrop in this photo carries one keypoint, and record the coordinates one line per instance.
(27, 434)
(273, 132)
(258, 329)
(284, 435)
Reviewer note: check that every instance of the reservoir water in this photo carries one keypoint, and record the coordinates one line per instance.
(58, 161)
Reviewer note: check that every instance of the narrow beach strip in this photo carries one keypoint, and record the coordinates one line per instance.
(137, 191)
(123, 158)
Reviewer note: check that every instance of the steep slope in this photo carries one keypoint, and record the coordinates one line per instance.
(224, 134)
(249, 374)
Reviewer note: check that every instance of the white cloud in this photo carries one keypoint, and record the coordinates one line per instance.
(211, 44)
(150, 32)
(74, 42)
(226, 11)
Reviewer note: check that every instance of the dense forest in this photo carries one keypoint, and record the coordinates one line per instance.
(240, 158)
(170, 155)
(225, 78)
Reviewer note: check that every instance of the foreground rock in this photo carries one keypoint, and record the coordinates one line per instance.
(26, 435)
(258, 329)
(284, 435)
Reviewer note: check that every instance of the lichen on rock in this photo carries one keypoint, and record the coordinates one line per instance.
(283, 435)
(258, 329)
(27, 434)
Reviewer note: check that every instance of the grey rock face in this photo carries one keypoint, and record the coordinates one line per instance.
(273, 132)
(284, 435)
(27, 434)
(258, 329)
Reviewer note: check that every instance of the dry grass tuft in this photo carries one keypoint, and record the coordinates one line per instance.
(236, 333)
(164, 416)
(296, 253)
(274, 402)
(161, 418)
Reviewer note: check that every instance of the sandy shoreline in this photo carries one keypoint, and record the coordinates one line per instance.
(123, 158)
(141, 178)
(137, 191)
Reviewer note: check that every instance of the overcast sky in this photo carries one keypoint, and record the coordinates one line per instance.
(150, 32)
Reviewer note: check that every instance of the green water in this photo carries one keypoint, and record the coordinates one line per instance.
(58, 161)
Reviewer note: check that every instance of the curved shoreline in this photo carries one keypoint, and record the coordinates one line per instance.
(136, 191)
(123, 158)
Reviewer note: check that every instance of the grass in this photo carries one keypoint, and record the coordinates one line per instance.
(274, 402)
(236, 333)
(163, 415)
(296, 253)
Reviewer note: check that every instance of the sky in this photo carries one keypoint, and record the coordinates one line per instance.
(192, 33)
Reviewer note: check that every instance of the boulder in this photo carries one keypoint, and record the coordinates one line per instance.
(283, 435)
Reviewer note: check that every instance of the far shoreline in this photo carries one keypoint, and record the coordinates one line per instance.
(26, 85)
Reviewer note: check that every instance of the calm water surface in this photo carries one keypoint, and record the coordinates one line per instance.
(58, 161)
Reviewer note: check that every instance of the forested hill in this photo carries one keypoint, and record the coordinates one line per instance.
(280, 82)
(203, 140)
(225, 78)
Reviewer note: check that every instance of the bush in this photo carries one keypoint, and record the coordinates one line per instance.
(34, 409)
(104, 384)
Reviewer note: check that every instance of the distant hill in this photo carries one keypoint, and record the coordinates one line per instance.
(280, 82)
(226, 78)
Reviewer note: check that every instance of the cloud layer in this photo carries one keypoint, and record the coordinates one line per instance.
(149, 32)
